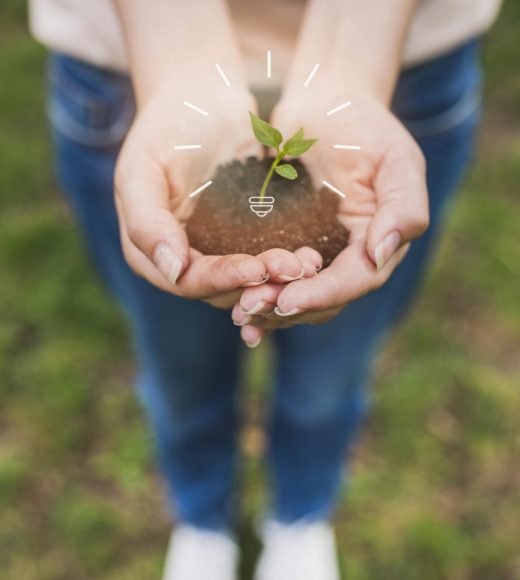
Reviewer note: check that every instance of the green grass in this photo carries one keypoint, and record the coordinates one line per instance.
(435, 494)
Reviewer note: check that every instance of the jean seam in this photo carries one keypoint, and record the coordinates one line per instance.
(466, 106)
(108, 134)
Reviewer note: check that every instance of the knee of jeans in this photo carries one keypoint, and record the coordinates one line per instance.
(166, 398)
(176, 406)
(318, 405)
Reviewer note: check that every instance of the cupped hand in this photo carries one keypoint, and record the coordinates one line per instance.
(153, 181)
(385, 205)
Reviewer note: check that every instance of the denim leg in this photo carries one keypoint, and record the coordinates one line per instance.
(187, 351)
(323, 372)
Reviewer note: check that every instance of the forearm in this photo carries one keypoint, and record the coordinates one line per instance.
(359, 41)
(168, 40)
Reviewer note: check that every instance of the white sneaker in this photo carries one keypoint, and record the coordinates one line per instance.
(195, 554)
(301, 551)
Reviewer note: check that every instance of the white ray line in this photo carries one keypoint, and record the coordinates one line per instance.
(343, 106)
(350, 147)
(332, 188)
(181, 147)
(222, 74)
(311, 75)
(268, 64)
(195, 108)
(201, 188)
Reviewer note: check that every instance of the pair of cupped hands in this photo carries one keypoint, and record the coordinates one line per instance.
(385, 208)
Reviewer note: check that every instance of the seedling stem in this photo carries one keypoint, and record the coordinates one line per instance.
(297, 145)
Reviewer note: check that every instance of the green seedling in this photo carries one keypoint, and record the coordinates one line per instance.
(270, 137)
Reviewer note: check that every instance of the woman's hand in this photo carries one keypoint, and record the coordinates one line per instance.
(385, 205)
(154, 179)
(169, 47)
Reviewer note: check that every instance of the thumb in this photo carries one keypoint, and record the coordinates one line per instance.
(402, 208)
(156, 245)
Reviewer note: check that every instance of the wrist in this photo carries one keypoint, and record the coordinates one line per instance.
(335, 89)
(180, 42)
(361, 49)
(376, 79)
(174, 91)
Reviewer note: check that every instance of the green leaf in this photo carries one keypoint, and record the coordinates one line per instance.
(295, 138)
(287, 170)
(299, 146)
(265, 133)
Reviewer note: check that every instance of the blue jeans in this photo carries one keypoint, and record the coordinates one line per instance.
(189, 352)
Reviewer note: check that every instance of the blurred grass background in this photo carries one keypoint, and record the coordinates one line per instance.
(436, 493)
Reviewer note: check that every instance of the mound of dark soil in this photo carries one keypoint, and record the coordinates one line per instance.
(223, 223)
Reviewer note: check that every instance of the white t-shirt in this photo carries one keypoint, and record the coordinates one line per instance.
(90, 30)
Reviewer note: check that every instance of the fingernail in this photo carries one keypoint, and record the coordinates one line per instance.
(287, 278)
(167, 262)
(264, 279)
(256, 308)
(290, 313)
(253, 344)
(246, 320)
(386, 249)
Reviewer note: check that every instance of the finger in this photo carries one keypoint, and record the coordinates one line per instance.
(260, 299)
(283, 266)
(350, 276)
(140, 263)
(142, 201)
(303, 317)
(251, 336)
(214, 279)
(311, 259)
(240, 317)
(309, 268)
(209, 276)
(266, 323)
(402, 214)
(224, 301)
(318, 317)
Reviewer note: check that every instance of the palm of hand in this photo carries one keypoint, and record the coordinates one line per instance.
(166, 125)
(385, 204)
(370, 177)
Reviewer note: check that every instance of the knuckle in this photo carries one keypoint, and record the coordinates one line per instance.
(223, 268)
(230, 266)
(420, 222)
(313, 255)
(278, 257)
(241, 268)
(137, 234)
(144, 232)
(130, 259)
(378, 280)
(381, 279)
